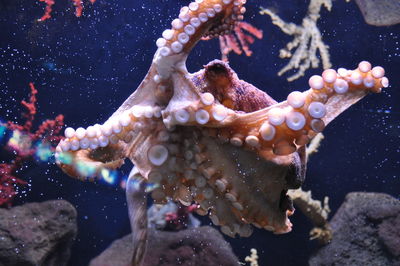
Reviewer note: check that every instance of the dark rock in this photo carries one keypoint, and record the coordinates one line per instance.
(196, 246)
(380, 13)
(37, 234)
(366, 231)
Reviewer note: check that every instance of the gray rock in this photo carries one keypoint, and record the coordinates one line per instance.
(196, 246)
(366, 231)
(37, 233)
(380, 13)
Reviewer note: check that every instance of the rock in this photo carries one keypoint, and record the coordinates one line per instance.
(380, 13)
(37, 233)
(365, 232)
(196, 246)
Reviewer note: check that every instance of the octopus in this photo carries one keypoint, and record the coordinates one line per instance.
(209, 137)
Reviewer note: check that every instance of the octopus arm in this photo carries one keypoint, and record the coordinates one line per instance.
(146, 94)
(86, 152)
(87, 164)
(291, 124)
(279, 128)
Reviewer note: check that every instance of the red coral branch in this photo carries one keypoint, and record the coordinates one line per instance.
(29, 114)
(50, 130)
(179, 220)
(21, 146)
(8, 181)
(49, 3)
(238, 41)
(48, 9)
(78, 7)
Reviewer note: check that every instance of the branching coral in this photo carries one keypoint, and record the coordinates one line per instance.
(314, 144)
(49, 3)
(172, 216)
(315, 210)
(229, 43)
(307, 40)
(25, 144)
(253, 258)
(237, 40)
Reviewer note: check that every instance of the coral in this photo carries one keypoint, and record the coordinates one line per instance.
(314, 144)
(48, 9)
(172, 216)
(253, 258)
(49, 3)
(8, 182)
(237, 40)
(316, 212)
(180, 219)
(25, 144)
(307, 40)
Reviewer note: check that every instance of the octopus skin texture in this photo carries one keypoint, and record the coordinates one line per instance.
(209, 137)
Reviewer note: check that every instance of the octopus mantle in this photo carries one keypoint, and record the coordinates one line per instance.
(211, 138)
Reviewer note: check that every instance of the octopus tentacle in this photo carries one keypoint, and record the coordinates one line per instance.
(292, 123)
(285, 126)
(85, 152)
(137, 207)
(151, 92)
(197, 19)
(89, 164)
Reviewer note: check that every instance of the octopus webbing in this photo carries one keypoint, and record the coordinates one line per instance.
(209, 137)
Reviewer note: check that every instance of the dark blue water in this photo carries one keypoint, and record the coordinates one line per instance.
(86, 67)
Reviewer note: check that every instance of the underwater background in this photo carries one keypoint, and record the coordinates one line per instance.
(85, 67)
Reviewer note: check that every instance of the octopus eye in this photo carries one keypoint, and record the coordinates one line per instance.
(216, 71)
(219, 78)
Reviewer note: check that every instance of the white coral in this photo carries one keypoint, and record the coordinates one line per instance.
(307, 40)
